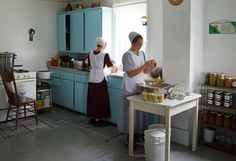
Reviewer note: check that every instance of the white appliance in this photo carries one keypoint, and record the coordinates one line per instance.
(25, 81)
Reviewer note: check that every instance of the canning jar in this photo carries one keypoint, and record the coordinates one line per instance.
(219, 119)
(220, 81)
(227, 121)
(234, 122)
(227, 104)
(211, 119)
(218, 95)
(205, 116)
(228, 82)
(207, 78)
(228, 96)
(210, 94)
(213, 77)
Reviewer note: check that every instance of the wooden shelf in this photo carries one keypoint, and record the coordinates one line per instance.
(218, 127)
(222, 146)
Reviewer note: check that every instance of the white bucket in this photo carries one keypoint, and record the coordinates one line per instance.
(154, 144)
(209, 134)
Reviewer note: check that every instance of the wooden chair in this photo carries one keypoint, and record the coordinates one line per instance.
(15, 102)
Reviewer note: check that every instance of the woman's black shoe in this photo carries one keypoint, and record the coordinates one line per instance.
(100, 123)
(92, 121)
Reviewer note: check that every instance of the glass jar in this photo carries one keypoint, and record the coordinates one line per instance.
(213, 77)
(205, 116)
(228, 96)
(219, 120)
(211, 119)
(210, 94)
(220, 81)
(228, 82)
(218, 95)
(227, 121)
(227, 104)
(207, 78)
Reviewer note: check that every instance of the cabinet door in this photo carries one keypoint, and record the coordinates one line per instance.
(56, 90)
(77, 32)
(81, 90)
(61, 32)
(67, 94)
(92, 28)
(115, 95)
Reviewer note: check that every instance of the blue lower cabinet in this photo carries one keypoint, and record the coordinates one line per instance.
(81, 90)
(115, 95)
(67, 93)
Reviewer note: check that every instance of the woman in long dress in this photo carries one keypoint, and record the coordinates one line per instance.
(98, 104)
(135, 67)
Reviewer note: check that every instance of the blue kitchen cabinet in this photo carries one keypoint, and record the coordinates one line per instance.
(61, 32)
(81, 89)
(55, 82)
(67, 89)
(97, 22)
(114, 88)
(77, 30)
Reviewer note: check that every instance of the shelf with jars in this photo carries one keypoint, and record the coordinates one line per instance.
(218, 112)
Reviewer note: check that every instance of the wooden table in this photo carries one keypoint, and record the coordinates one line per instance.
(168, 108)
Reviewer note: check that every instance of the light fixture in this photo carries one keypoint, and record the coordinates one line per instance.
(144, 20)
(31, 33)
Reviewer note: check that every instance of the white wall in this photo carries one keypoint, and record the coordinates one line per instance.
(155, 30)
(17, 16)
(176, 42)
(220, 49)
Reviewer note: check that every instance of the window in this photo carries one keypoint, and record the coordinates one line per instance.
(128, 18)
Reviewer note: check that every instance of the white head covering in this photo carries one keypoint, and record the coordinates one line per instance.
(100, 41)
(132, 35)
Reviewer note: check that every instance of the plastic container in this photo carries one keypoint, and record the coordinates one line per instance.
(209, 134)
(155, 143)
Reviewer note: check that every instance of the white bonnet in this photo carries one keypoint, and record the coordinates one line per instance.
(100, 41)
(132, 35)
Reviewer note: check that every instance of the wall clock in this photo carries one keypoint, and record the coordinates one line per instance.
(175, 2)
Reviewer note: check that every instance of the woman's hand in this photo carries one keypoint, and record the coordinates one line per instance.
(149, 66)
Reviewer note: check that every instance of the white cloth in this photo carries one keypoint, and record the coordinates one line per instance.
(96, 74)
(100, 41)
(132, 35)
(131, 83)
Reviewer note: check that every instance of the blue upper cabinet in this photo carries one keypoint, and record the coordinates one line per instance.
(93, 28)
(77, 30)
(61, 34)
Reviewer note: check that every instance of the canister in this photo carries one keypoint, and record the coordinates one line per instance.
(213, 77)
(220, 81)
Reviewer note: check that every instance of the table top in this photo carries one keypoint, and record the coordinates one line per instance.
(167, 102)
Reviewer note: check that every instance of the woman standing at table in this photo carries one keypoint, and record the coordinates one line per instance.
(135, 67)
(98, 104)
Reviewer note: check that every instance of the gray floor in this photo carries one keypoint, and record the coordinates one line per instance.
(71, 138)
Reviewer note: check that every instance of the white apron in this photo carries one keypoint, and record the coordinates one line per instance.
(96, 74)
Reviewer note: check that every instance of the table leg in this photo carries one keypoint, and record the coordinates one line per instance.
(131, 128)
(167, 143)
(195, 124)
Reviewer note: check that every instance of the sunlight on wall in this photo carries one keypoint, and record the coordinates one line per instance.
(128, 18)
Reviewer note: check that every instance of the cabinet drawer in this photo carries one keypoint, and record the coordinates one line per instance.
(114, 82)
(68, 76)
(81, 78)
